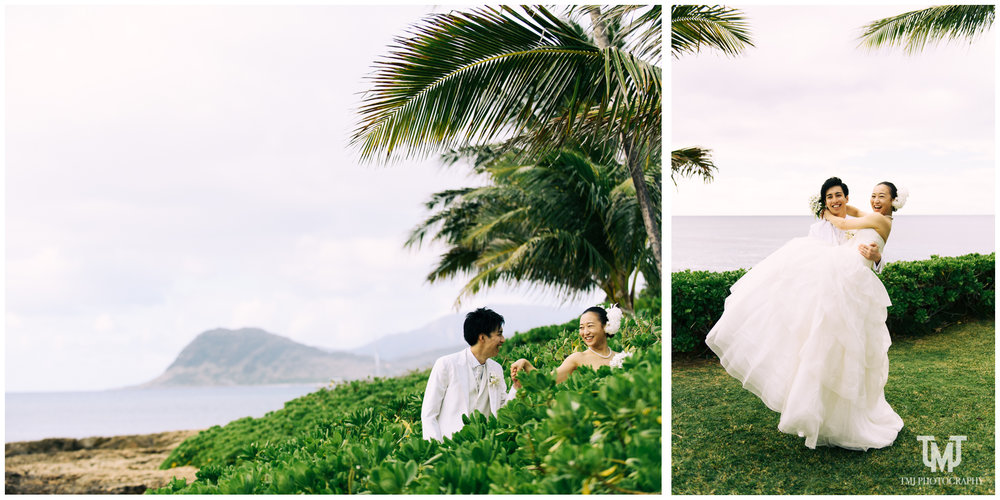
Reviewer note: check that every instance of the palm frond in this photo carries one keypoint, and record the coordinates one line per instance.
(642, 35)
(462, 78)
(693, 27)
(635, 28)
(915, 29)
(690, 162)
(522, 75)
(566, 222)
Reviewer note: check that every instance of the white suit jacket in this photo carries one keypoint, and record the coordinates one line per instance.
(824, 230)
(446, 398)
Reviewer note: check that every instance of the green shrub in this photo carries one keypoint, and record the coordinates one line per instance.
(599, 432)
(649, 303)
(925, 295)
(697, 300)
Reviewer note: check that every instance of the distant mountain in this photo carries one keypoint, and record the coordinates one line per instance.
(251, 356)
(445, 334)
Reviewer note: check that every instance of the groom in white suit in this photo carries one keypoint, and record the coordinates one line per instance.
(467, 380)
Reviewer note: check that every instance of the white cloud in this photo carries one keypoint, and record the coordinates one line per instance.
(254, 312)
(805, 104)
(104, 324)
(174, 169)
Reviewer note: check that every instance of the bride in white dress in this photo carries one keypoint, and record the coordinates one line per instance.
(805, 331)
(596, 325)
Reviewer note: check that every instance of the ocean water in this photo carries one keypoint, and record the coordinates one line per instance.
(720, 243)
(33, 416)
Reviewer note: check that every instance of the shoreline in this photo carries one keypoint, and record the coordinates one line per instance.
(127, 464)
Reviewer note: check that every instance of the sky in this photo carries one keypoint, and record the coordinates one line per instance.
(170, 170)
(805, 103)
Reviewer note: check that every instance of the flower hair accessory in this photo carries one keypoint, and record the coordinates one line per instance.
(614, 320)
(816, 206)
(901, 195)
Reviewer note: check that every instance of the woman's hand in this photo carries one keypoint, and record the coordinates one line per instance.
(838, 222)
(521, 365)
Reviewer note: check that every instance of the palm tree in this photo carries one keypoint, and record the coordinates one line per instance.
(917, 28)
(570, 221)
(526, 76)
(693, 28)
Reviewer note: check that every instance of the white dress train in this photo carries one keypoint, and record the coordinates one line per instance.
(805, 331)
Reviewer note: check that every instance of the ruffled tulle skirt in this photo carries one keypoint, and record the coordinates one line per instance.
(805, 331)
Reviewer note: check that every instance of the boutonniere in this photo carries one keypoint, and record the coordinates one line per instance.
(494, 379)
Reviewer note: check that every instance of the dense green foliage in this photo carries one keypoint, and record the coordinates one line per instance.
(928, 293)
(598, 432)
(925, 295)
(697, 300)
(726, 441)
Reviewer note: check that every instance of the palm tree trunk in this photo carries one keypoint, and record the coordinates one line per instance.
(634, 162)
(616, 291)
(632, 159)
(631, 291)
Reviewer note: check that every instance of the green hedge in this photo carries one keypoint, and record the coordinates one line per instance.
(925, 295)
(599, 432)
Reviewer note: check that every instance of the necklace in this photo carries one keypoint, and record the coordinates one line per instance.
(600, 355)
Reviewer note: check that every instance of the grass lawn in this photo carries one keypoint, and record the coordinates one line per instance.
(725, 441)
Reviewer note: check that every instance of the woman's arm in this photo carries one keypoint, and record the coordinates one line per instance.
(562, 372)
(521, 365)
(854, 212)
(566, 368)
(882, 225)
(872, 220)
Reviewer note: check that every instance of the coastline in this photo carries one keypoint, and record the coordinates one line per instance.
(97, 465)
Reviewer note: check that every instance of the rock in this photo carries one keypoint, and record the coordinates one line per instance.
(50, 445)
(99, 465)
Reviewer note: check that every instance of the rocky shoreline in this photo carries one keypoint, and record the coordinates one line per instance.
(97, 465)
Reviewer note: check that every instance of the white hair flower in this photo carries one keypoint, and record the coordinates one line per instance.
(614, 320)
(901, 195)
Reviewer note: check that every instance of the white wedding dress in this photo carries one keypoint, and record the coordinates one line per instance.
(805, 331)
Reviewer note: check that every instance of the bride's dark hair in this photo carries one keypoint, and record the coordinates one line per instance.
(831, 182)
(891, 186)
(601, 313)
(892, 192)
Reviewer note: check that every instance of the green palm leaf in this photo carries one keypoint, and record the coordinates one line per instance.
(693, 27)
(566, 222)
(527, 77)
(691, 162)
(463, 78)
(914, 30)
(633, 28)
